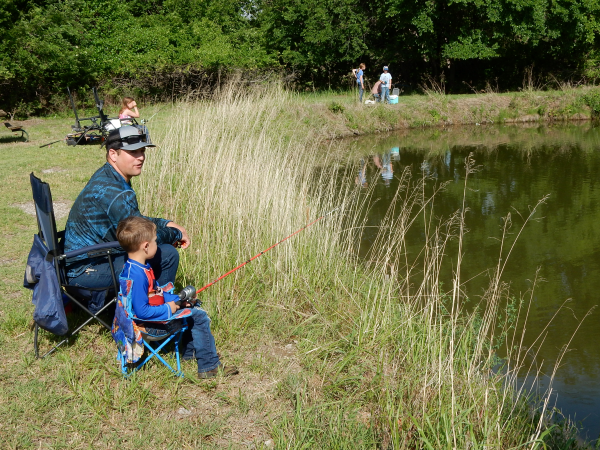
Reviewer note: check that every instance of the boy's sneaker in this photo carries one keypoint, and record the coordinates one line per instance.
(226, 371)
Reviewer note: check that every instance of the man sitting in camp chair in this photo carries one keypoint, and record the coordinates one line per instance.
(108, 198)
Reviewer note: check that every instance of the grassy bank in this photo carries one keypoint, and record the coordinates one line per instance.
(331, 115)
(334, 352)
(340, 114)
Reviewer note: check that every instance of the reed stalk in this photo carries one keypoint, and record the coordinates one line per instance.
(387, 357)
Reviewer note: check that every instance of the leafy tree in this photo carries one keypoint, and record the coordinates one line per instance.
(316, 35)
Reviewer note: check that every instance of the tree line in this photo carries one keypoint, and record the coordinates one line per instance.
(163, 46)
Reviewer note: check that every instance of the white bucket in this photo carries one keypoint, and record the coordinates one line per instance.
(113, 124)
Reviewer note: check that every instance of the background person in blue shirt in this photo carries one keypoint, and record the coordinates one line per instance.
(104, 201)
(386, 84)
(359, 73)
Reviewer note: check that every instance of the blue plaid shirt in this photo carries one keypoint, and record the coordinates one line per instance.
(103, 202)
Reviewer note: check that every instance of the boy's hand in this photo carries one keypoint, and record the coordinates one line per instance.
(173, 307)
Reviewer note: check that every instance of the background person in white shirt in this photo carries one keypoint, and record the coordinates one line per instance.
(386, 84)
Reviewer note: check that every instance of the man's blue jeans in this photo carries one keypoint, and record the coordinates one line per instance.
(199, 340)
(164, 264)
(385, 94)
(360, 92)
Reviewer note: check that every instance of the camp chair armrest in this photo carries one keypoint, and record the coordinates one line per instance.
(94, 250)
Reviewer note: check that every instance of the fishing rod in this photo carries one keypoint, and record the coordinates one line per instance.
(265, 251)
(53, 142)
(152, 117)
(50, 143)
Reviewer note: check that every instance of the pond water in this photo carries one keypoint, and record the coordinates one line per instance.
(518, 167)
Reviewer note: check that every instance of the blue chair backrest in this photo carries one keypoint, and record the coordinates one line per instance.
(45, 213)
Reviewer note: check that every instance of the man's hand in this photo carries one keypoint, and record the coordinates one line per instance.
(185, 240)
(173, 307)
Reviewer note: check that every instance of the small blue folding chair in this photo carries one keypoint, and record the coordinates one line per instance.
(133, 335)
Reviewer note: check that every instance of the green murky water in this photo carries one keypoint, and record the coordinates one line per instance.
(518, 167)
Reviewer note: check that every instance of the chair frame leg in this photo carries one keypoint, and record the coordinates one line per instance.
(176, 338)
(35, 340)
(94, 316)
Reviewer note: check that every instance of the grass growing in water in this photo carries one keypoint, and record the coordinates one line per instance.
(383, 361)
(334, 352)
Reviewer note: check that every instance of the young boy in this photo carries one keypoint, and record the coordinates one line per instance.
(137, 236)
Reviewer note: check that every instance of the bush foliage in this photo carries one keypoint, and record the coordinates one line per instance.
(46, 45)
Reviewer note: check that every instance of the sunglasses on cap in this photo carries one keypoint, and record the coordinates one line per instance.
(134, 139)
(128, 140)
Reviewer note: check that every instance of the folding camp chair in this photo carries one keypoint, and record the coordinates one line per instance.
(132, 335)
(46, 273)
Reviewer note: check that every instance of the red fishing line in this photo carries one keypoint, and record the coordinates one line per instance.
(264, 251)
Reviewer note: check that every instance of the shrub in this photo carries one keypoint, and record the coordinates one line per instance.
(592, 99)
(336, 107)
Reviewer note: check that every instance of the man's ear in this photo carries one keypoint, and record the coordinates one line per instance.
(112, 154)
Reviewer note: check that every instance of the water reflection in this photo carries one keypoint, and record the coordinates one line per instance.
(518, 167)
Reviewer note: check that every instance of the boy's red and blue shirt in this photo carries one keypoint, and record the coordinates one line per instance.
(140, 297)
(147, 299)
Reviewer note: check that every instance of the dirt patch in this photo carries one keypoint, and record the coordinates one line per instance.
(54, 170)
(29, 122)
(61, 209)
(7, 261)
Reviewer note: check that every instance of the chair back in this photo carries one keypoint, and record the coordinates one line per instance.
(42, 197)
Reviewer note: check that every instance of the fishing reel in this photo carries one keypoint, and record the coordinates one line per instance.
(188, 295)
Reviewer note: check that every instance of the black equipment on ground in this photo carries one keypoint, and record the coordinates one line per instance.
(95, 129)
(87, 130)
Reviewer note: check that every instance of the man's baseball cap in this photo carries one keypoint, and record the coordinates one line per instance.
(385, 67)
(127, 138)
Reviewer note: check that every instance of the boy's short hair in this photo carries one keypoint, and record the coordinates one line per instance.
(362, 66)
(133, 231)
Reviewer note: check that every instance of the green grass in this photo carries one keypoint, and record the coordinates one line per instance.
(434, 109)
(334, 352)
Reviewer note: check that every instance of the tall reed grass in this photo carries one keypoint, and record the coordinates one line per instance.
(389, 358)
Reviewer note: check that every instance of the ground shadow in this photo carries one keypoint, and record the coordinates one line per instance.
(11, 138)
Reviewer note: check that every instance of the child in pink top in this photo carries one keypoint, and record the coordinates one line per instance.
(128, 110)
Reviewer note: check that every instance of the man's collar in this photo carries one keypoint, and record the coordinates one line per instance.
(116, 174)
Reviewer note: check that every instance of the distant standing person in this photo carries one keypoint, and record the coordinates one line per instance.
(376, 91)
(386, 83)
(359, 73)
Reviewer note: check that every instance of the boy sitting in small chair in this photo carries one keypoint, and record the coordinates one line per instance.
(137, 236)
